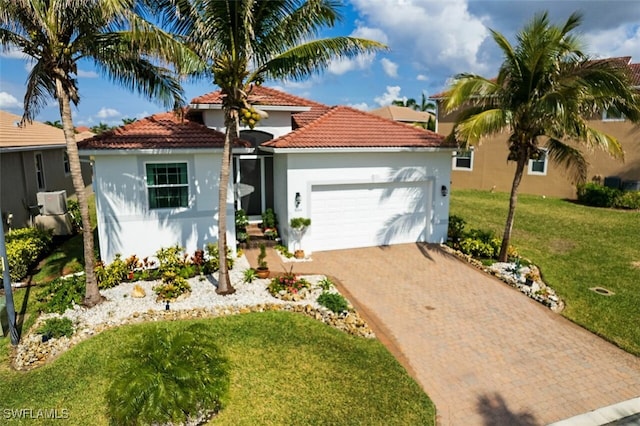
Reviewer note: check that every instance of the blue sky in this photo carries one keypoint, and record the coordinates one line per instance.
(429, 42)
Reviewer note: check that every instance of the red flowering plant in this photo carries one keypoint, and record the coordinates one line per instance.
(286, 285)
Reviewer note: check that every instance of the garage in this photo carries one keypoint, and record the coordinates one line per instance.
(370, 214)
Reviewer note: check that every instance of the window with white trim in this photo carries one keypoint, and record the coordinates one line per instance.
(167, 185)
(39, 163)
(538, 166)
(612, 114)
(463, 159)
(67, 165)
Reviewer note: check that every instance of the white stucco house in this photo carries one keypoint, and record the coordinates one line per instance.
(362, 180)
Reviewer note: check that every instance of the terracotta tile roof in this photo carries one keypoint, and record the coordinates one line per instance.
(164, 130)
(259, 95)
(34, 134)
(345, 127)
(300, 119)
(635, 74)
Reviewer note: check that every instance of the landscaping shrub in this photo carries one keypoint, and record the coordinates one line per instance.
(74, 211)
(113, 274)
(326, 283)
(169, 377)
(333, 301)
(455, 230)
(213, 259)
(24, 247)
(596, 195)
(60, 294)
(480, 243)
(54, 328)
(172, 286)
(288, 282)
(628, 200)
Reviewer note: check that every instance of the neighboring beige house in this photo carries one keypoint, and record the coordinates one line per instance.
(485, 166)
(33, 159)
(404, 115)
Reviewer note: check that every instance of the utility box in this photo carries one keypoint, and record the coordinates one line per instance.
(52, 203)
(612, 182)
(631, 185)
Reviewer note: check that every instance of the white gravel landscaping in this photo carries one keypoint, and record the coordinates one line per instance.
(121, 308)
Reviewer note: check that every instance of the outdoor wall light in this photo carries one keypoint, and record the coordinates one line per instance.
(297, 200)
(444, 191)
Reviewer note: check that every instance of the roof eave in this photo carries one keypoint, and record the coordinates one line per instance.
(343, 150)
(160, 151)
(31, 148)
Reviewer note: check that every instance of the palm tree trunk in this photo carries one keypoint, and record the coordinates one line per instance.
(92, 294)
(230, 123)
(513, 201)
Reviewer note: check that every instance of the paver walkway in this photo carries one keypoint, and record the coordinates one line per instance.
(484, 353)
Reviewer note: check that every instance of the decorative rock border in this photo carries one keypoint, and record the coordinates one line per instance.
(538, 291)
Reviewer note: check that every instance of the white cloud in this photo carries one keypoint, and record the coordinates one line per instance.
(87, 74)
(362, 106)
(422, 77)
(360, 62)
(9, 101)
(28, 66)
(429, 33)
(142, 114)
(621, 41)
(390, 68)
(105, 113)
(392, 93)
(344, 65)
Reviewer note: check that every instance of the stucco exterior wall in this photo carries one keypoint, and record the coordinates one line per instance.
(491, 171)
(307, 169)
(18, 186)
(278, 123)
(128, 226)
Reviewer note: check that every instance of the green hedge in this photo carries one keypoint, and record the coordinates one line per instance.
(596, 195)
(25, 247)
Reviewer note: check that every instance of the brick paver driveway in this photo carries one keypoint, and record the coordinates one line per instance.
(485, 354)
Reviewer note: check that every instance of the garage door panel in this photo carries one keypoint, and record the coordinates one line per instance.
(359, 215)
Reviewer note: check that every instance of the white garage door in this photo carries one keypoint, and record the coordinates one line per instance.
(365, 215)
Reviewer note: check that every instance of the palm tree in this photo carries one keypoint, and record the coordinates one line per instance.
(544, 94)
(424, 106)
(57, 34)
(247, 41)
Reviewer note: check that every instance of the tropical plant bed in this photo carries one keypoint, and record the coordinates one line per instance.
(514, 274)
(122, 307)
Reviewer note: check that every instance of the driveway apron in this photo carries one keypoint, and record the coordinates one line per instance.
(484, 353)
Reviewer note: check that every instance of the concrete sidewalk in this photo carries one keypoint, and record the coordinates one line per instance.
(484, 353)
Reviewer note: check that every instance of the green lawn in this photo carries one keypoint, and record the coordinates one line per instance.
(286, 369)
(576, 247)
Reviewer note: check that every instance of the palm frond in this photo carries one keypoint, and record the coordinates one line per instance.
(570, 158)
(311, 57)
(470, 89)
(487, 122)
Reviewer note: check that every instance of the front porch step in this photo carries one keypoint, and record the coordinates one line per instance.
(256, 237)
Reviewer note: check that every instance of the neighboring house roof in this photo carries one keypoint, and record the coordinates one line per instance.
(164, 130)
(345, 127)
(635, 74)
(29, 135)
(258, 95)
(404, 114)
(82, 129)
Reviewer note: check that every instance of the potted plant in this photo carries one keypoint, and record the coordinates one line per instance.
(531, 277)
(298, 226)
(263, 269)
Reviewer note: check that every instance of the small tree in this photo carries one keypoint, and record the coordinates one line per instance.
(546, 91)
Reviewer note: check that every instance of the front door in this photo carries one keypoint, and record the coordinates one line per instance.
(254, 184)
